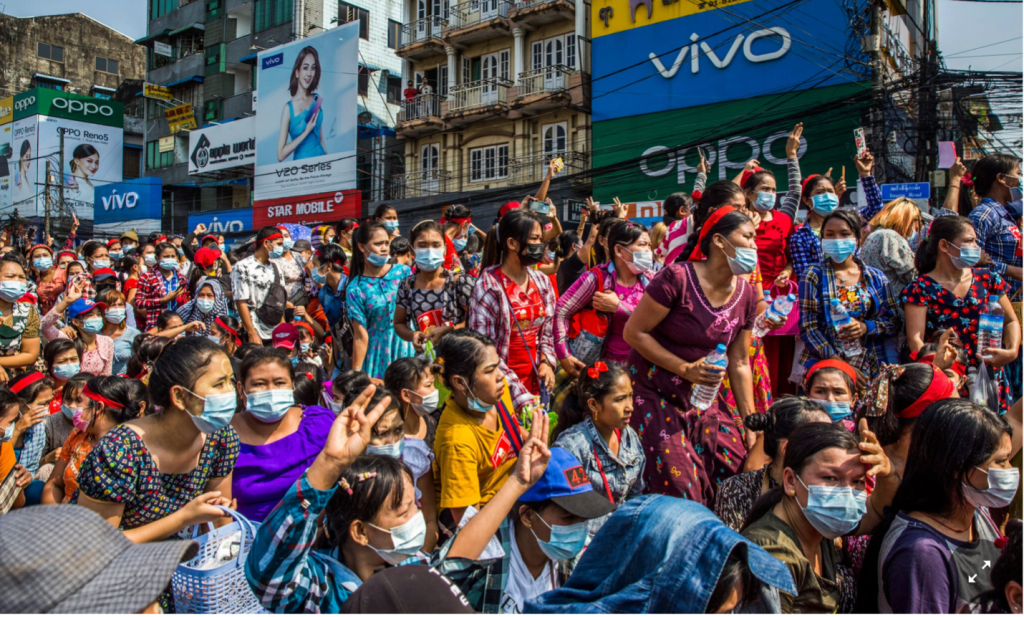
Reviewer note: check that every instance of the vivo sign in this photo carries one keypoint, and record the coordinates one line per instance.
(128, 201)
(117, 202)
(785, 42)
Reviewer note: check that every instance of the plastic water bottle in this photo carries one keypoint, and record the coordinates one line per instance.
(850, 349)
(777, 312)
(990, 325)
(702, 396)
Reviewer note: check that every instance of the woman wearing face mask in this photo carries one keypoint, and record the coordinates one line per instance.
(434, 300)
(101, 404)
(843, 280)
(149, 257)
(59, 425)
(280, 439)
(193, 393)
(370, 519)
(525, 343)
(575, 256)
(820, 195)
(613, 290)
(130, 270)
(386, 215)
(50, 281)
(207, 305)
(458, 224)
(95, 255)
(539, 519)
(346, 230)
(114, 250)
(697, 305)
(63, 361)
(161, 288)
(10, 415)
(833, 385)
(997, 216)
(950, 294)
(291, 266)
(930, 553)
(329, 273)
(115, 326)
(34, 392)
(821, 497)
(19, 334)
(887, 249)
(370, 298)
(86, 320)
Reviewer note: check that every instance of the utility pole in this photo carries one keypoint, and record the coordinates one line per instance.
(60, 171)
(877, 139)
(46, 214)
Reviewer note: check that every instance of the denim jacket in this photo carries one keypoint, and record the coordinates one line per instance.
(624, 472)
(660, 554)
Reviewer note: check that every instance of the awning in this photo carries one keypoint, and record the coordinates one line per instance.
(368, 66)
(104, 88)
(52, 78)
(195, 25)
(195, 78)
(251, 56)
(156, 35)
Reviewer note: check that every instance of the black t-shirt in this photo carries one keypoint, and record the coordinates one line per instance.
(569, 271)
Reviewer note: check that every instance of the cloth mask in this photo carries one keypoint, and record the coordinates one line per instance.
(205, 304)
(1002, 486)
(43, 263)
(745, 260)
(391, 226)
(12, 290)
(837, 410)
(838, 249)
(98, 264)
(566, 540)
(834, 510)
(643, 261)
(969, 256)
(825, 203)
(429, 259)
(531, 254)
(168, 264)
(93, 325)
(407, 538)
(218, 409)
(459, 243)
(66, 371)
(269, 405)
(428, 403)
(377, 259)
(116, 315)
(765, 201)
(393, 450)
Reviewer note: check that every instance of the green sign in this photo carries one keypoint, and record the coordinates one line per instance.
(649, 157)
(47, 102)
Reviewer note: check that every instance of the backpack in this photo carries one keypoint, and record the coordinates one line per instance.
(589, 328)
(271, 312)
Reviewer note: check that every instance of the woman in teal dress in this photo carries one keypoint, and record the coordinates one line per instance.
(370, 300)
(302, 119)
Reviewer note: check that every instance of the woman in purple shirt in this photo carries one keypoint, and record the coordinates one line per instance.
(279, 438)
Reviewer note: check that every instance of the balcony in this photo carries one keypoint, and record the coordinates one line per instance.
(477, 97)
(543, 88)
(421, 115)
(536, 13)
(421, 39)
(419, 184)
(532, 169)
(478, 20)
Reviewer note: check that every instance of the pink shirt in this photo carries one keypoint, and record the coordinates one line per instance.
(615, 347)
(99, 361)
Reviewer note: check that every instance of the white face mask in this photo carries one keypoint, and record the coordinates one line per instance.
(407, 539)
(428, 402)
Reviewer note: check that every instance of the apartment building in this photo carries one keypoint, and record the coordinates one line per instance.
(508, 91)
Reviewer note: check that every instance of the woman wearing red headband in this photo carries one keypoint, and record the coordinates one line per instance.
(688, 310)
(50, 280)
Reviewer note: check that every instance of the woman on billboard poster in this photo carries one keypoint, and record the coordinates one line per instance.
(302, 117)
(85, 162)
(24, 180)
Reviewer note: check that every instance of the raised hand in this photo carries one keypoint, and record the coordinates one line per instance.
(865, 164)
(534, 455)
(702, 167)
(874, 457)
(793, 141)
(350, 433)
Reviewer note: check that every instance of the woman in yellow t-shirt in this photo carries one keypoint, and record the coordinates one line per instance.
(473, 454)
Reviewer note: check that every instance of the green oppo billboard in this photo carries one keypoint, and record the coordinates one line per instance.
(649, 157)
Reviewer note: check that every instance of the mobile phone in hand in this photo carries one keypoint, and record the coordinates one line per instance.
(862, 144)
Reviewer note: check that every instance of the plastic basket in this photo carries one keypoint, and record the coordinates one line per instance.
(222, 589)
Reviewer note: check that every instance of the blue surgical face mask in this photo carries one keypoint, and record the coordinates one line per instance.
(12, 290)
(222, 248)
(319, 279)
(476, 404)
(406, 538)
(395, 449)
(66, 371)
(116, 254)
(269, 405)
(377, 259)
(765, 201)
(205, 304)
(825, 203)
(180, 250)
(459, 243)
(116, 315)
(149, 260)
(834, 510)
(838, 250)
(429, 259)
(288, 244)
(391, 226)
(745, 260)
(304, 347)
(98, 264)
(276, 251)
(43, 263)
(218, 409)
(69, 412)
(566, 540)
(168, 264)
(93, 325)
(8, 433)
(969, 256)
(837, 410)
(549, 255)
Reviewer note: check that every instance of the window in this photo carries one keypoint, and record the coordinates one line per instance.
(270, 13)
(101, 94)
(106, 65)
(159, 8)
(489, 163)
(51, 52)
(156, 159)
(364, 81)
(394, 90)
(49, 84)
(213, 9)
(215, 61)
(211, 111)
(467, 70)
(537, 55)
(553, 51)
(442, 80)
(348, 13)
(554, 140)
(570, 51)
(394, 33)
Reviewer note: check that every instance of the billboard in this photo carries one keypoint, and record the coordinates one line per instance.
(222, 146)
(308, 210)
(8, 165)
(136, 202)
(92, 157)
(306, 139)
(750, 49)
(655, 155)
(24, 147)
(222, 221)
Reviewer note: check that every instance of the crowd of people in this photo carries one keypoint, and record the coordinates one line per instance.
(513, 417)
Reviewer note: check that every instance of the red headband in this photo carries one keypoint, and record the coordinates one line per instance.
(746, 174)
(940, 388)
(806, 180)
(272, 237)
(113, 240)
(25, 382)
(41, 246)
(716, 216)
(836, 364)
(229, 330)
(99, 398)
(63, 253)
(461, 220)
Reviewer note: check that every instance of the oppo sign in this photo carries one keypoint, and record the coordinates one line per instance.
(86, 108)
(658, 161)
(25, 103)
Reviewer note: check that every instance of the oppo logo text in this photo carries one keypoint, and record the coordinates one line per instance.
(86, 108)
(24, 104)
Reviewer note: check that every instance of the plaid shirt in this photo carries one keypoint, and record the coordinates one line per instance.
(805, 245)
(1001, 239)
(32, 447)
(151, 290)
(818, 287)
(282, 568)
(489, 315)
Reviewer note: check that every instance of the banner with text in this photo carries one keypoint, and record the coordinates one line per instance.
(222, 146)
(308, 210)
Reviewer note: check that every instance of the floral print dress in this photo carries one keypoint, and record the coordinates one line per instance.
(946, 310)
(371, 303)
(759, 373)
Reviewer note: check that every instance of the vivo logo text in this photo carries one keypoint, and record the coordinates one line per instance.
(120, 202)
(271, 61)
(705, 50)
(219, 226)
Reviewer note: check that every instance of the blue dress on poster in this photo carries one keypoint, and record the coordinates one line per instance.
(371, 304)
(310, 146)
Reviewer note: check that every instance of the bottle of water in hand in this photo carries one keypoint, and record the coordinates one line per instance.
(990, 326)
(849, 348)
(777, 312)
(702, 396)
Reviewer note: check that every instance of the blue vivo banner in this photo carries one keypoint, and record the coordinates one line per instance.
(742, 51)
(136, 199)
(222, 221)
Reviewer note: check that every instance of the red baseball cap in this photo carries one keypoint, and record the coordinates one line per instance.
(206, 257)
(286, 336)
